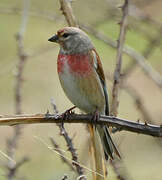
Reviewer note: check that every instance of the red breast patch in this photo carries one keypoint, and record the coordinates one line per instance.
(77, 63)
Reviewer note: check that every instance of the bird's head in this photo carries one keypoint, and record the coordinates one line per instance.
(72, 40)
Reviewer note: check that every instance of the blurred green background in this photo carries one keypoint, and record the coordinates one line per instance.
(141, 154)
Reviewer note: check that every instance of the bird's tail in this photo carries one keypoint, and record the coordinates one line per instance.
(107, 142)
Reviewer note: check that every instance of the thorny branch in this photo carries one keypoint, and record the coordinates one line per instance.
(122, 124)
(117, 77)
(117, 72)
(56, 146)
(69, 144)
(72, 150)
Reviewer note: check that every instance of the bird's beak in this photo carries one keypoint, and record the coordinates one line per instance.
(54, 38)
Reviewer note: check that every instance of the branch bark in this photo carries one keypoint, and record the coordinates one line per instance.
(68, 12)
(117, 72)
(122, 124)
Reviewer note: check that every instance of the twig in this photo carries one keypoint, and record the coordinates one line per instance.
(71, 149)
(117, 76)
(69, 144)
(13, 141)
(120, 45)
(15, 167)
(68, 159)
(123, 124)
(120, 169)
(22, 57)
(68, 12)
(54, 106)
(62, 155)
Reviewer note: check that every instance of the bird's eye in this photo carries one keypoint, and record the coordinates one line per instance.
(65, 35)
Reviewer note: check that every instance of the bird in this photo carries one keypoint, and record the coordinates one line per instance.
(82, 78)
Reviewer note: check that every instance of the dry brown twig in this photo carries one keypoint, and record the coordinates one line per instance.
(68, 12)
(69, 144)
(117, 78)
(122, 124)
(12, 142)
(57, 148)
(117, 72)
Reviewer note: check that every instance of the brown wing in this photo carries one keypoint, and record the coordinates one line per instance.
(96, 62)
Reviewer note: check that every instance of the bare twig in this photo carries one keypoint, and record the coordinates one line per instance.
(12, 142)
(68, 159)
(137, 127)
(68, 12)
(22, 57)
(69, 143)
(15, 167)
(117, 76)
(71, 149)
(120, 169)
(62, 156)
(54, 106)
(120, 45)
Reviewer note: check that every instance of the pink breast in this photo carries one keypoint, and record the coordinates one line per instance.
(77, 63)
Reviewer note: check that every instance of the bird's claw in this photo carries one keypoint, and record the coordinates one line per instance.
(95, 118)
(66, 114)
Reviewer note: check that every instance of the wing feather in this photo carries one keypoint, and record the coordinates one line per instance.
(96, 62)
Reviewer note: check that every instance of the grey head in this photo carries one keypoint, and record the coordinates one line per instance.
(72, 40)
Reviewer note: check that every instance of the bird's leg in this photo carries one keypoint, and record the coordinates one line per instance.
(96, 117)
(65, 114)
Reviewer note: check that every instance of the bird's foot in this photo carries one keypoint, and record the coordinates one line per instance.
(66, 114)
(95, 118)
